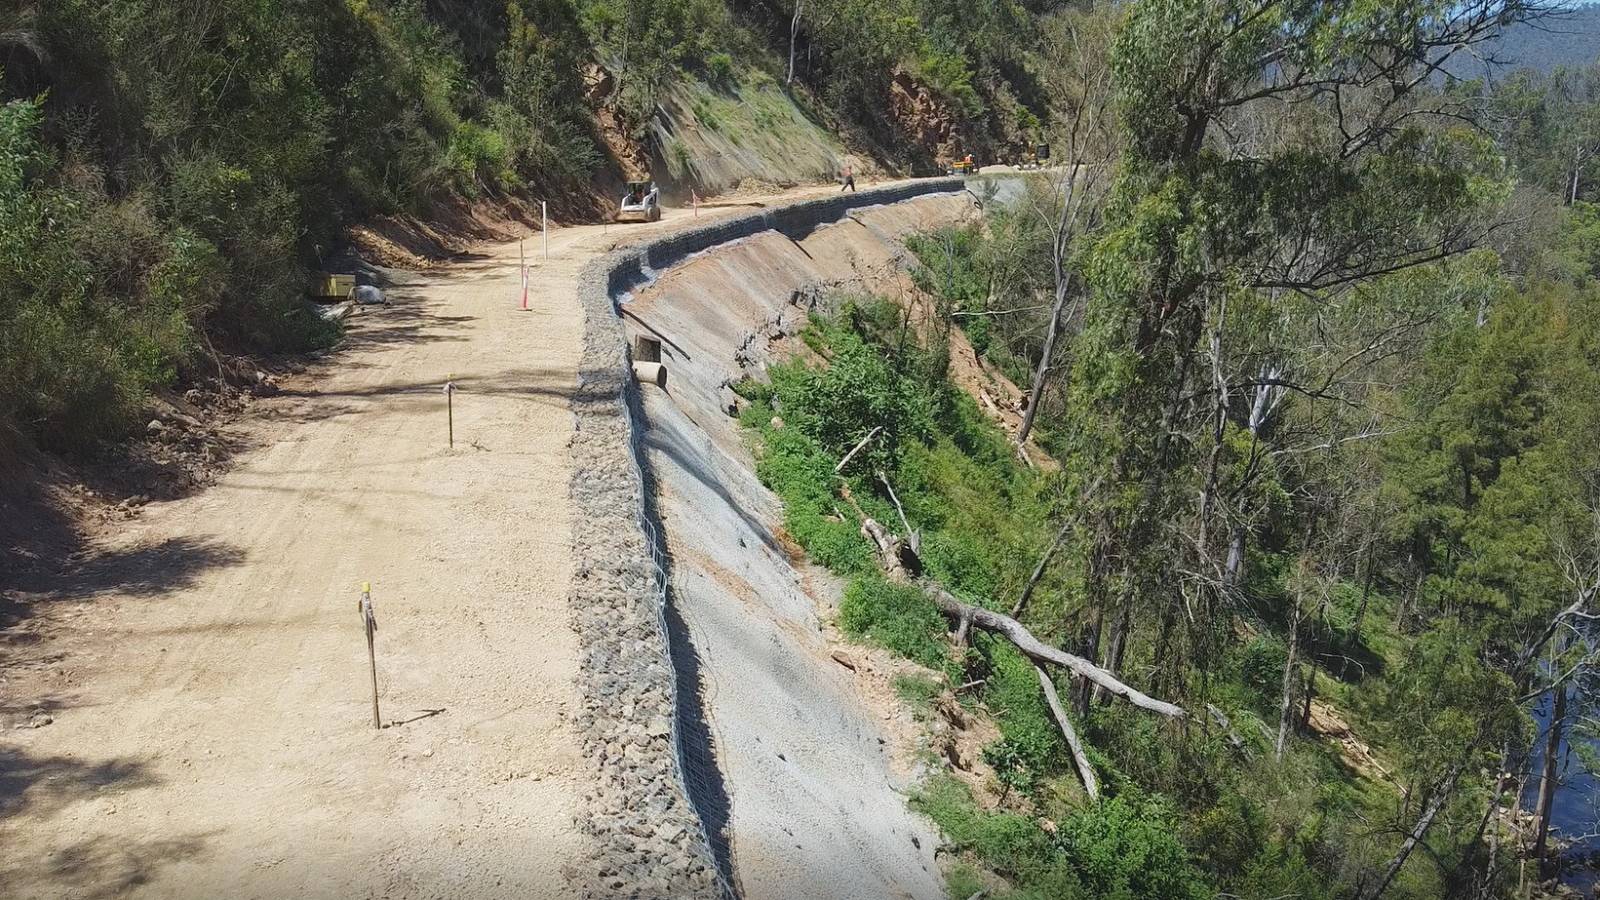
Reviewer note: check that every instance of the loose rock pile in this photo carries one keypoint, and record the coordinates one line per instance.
(650, 841)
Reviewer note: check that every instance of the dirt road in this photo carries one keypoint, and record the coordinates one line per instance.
(205, 674)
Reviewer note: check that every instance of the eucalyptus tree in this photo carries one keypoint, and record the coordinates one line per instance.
(1280, 157)
(1075, 48)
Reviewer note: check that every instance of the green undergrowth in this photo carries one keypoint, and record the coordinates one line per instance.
(982, 518)
(1179, 818)
(1124, 848)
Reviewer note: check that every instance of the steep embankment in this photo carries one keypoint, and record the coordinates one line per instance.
(796, 771)
(719, 138)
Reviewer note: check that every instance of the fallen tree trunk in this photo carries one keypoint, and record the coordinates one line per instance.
(893, 554)
(1040, 652)
(1418, 832)
(1070, 734)
(857, 449)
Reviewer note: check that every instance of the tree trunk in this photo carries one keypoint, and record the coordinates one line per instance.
(1366, 590)
(1491, 836)
(1262, 407)
(1061, 241)
(1070, 734)
(1040, 652)
(1311, 691)
(1577, 165)
(794, 33)
(1036, 392)
(1418, 832)
(1038, 570)
(1548, 778)
(1286, 707)
(1090, 650)
(1235, 563)
(892, 554)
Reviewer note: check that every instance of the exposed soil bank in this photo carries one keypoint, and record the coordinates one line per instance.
(796, 774)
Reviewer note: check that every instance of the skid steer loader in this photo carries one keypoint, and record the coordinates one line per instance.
(642, 203)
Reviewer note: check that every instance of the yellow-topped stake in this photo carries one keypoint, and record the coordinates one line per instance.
(369, 622)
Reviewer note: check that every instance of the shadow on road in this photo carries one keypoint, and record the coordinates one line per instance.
(42, 785)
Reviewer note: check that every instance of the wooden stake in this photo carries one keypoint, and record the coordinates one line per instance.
(370, 623)
(450, 410)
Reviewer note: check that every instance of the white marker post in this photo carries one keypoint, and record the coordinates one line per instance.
(544, 226)
(522, 266)
(370, 623)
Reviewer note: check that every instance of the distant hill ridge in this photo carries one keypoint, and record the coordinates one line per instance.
(1570, 40)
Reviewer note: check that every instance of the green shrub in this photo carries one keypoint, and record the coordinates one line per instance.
(1005, 843)
(980, 333)
(477, 157)
(1127, 849)
(897, 616)
(918, 693)
(1261, 666)
(958, 561)
(1279, 871)
(962, 881)
(800, 473)
(842, 403)
(1228, 836)
(947, 73)
(719, 67)
(74, 362)
(1012, 694)
(1119, 849)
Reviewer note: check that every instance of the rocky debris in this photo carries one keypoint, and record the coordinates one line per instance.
(597, 84)
(37, 720)
(732, 403)
(649, 840)
(922, 116)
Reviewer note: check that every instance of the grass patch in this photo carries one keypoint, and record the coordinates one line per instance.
(919, 694)
(897, 616)
(1125, 847)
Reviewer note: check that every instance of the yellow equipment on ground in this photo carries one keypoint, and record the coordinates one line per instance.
(963, 166)
(333, 287)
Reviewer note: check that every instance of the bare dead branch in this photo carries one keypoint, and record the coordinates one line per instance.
(1069, 734)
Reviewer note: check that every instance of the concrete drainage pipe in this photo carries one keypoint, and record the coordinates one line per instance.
(651, 373)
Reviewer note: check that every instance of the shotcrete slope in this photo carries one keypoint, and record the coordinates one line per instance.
(798, 773)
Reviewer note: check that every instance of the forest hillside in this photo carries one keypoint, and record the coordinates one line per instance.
(171, 173)
(1304, 313)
